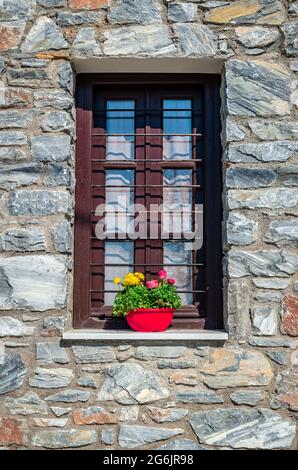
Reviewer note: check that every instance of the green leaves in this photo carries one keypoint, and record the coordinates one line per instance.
(131, 298)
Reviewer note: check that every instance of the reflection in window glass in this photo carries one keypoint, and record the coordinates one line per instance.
(120, 253)
(177, 200)
(175, 253)
(177, 120)
(119, 197)
(120, 120)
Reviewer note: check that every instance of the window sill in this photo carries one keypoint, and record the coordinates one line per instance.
(118, 335)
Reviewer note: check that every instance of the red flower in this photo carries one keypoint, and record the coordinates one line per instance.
(152, 284)
(162, 274)
(171, 281)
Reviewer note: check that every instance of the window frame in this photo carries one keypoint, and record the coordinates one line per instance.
(85, 84)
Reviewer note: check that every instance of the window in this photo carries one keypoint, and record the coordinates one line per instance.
(144, 143)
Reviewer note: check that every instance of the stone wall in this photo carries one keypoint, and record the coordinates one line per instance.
(56, 395)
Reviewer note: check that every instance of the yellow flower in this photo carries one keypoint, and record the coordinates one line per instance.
(140, 276)
(117, 280)
(131, 280)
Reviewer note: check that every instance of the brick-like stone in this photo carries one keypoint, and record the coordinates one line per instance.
(93, 415)
(135, 436)
(53, 326)
(290, 317)
(13, 138)
(93, 354)
(280, 357)
(151, 352)
(232, 131)
(108, 436)
(28, 77)
(242, 428)
(204, 397)
(270, 263)
(24, 277)
(241, 230)
(166, 415)
(282, 232)
(151, 40)
(264, 152)
(60, 439)
(58, 174)
(39, 203)
(51, 378)
(15, 119)
(17, 9)
(55, 121)
(13, 327)
(11, 35)
(256, 36)
(184, 378)
(287, 387)
(59, 99)
(181, 444)
(12, 373)
(135, 12)
(62, 237)
(257, 88)
(274, 130)
(270, 342)
(182, 364)
(247, 11)
(248, 397)
(196, 40)
(238, 308)
(13, 432)
(76, 19)
(87, 4)
(271, 283)
(49, 422)
(49, 353)
(60, 411)
(69, 396)
(65, 76)
(43, 36)
(50, 147)
(12, 155)
(264, 320)
(86, 42)
(182, 12)
(272, 198)
(243, 178)
(28, 404)
(236, 367)
(22, 174)
(290, 31)
(15, 97)
(87, 381)
(23, 240)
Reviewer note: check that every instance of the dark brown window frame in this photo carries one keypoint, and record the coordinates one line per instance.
(212, 195)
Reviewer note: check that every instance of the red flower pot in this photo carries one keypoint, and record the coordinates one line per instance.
(150, 319)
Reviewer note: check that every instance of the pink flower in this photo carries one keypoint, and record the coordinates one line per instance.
(162, 274)
(152, 284)
(171, 281)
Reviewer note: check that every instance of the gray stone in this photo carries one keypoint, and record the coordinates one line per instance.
(49, 422)
(9, 154)
(287, 387)
(290, 31)
(16, 9)
(28, 404)
(273, 283)
(257, 88)
(270, 263)
(43, 36)
(149, 352)
(15, 119)
(288, 175)
(268, 296)
(69, 396)
(35, 63)
(86, 42)
(60, 439)
(240, 428)
(108, 436)
(241, 230)
(238, 308)
(13, 138)
(255, 51)
(14, 97)
(135, 436)
(249, 177)
(62, 237)
(273, 198)
(65, 76)
(60, 411)
(196, 40)
(181, 444)
(27, 276)
(129, 413)
(264, 152)
(52, 3)
(2, 64)
(23, 240)
(246, 11)
(54, 324)
(76, 19)
(93, 354)
(204, 397)
(13, 327)
(56, 121)
(55, 99)
(294, 65)
(151, 40)
(248, 397)
(184, 364)
(264, 320)
(12, 373)
(28, 77)
(39, 203)
(293, 8)
(282, 232)
(51, 378)
(129, 384)
(270, 342)
(166, 415)
(182, 12)
(49, 353)
(50, 147)
(135, 12)
(255, 36)
(87, 381)
(280, 357)
(22, 174)
(233, 131)
(275, 130)
(57, 175)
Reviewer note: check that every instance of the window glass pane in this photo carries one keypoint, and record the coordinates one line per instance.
(175, 253)
(119, 197)
(177, 120)
(120, 253)
(120, 120)
(177, 200)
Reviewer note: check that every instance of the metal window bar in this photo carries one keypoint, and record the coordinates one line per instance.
(148, 134)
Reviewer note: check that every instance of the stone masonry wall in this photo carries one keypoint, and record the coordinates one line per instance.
(243, 394)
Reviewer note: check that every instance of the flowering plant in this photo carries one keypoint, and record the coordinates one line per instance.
(136, 293)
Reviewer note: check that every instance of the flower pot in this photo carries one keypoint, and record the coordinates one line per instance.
(150, 319)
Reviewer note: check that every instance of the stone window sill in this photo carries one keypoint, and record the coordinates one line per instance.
(118, 335)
